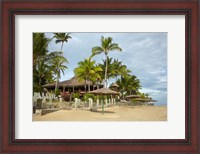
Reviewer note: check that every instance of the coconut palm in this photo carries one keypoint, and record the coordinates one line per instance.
(40, 44)
(58, 65)
(61, 38)
(134, 85)
(106, 47)
(118, 69)
(110, 70)
(87, 70)
(42, 74)
(128, 84)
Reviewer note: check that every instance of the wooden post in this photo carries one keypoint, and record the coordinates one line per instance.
(103, 105)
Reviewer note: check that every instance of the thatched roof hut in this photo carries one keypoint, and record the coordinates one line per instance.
(75, 82)
(72, 84)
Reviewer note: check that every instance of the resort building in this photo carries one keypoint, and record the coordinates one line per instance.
(74, 85)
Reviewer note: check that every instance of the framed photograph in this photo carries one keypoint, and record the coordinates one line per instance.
(99, 77)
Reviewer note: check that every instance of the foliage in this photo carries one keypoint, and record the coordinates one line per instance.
(87, 70)
(106, 47)
(61, 38)
(87, 96)
(40, 44)
(46, 64)
(75, 95)
(144, 95)
(128, 84)
(115, 68)
(57, 92)
(58, 66)
(41, 71)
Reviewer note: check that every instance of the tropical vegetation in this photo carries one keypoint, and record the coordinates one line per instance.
(106, 46)
(49, 65)
(88, 71)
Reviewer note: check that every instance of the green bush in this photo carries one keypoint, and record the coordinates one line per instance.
(57, 92)
(75, 95)
(87, 96)
(133, 101)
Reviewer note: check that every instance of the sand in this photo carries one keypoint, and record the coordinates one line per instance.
(114, 113)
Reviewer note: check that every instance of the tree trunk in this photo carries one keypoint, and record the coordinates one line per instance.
(56, 86)
(40, 81)
(85, 85)
(105, 78)
(97, 85)
(57, 80)
(123, 94)
(61, 46)
(88, 86)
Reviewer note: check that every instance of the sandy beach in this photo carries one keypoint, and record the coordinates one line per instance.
(114, 113)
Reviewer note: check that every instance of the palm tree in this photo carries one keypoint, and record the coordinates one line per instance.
(134, 85)
(61, 38)
(42, 74)
(87, 70)
(40, 44)
(58, 65)
(106, 47)
(128, 84)
(118, 69)
(110, 70)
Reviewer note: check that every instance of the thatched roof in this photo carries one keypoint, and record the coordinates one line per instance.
(132, 96)
(104, 91)
(114, 85)
(73, 82)
(50, 85)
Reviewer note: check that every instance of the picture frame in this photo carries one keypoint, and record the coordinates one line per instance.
(48, 7)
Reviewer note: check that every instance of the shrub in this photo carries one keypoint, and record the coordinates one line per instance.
(66, 97)
(75, 95)
(57, 92)
(87, 96)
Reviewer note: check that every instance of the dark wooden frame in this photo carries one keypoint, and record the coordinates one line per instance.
(10, 8)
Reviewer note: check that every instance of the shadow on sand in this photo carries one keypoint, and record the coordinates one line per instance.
(99, 111)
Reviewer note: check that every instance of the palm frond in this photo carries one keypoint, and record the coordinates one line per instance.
(96, 50)
(113, 47)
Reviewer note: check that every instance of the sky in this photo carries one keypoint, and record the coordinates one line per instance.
(145, 54)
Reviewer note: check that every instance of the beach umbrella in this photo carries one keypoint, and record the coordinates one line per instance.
(114, 85)
(103, 91)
